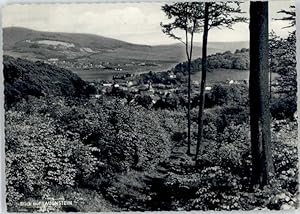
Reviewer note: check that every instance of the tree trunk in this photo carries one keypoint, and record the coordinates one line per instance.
(262, 163)
(203, 81)
(189, 107)
(270, 83)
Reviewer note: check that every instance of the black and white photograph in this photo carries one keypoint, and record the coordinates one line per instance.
(165, 106)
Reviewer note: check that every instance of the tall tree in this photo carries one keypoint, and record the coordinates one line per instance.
(216, 15)
(185, 16)
(262, 163)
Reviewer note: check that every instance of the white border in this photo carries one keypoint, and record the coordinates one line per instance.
(2, 142)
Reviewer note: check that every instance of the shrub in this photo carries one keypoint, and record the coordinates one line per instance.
(221, 94)
(129, 191)
(283, 107)
(217, 190)
(223, 191)
(226, 176)
(229, 148)
(39, 158)
(57, 144)
(144, 100)
(126, 136)
(223, 116)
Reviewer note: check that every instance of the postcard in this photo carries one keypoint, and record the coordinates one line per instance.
(143, 106)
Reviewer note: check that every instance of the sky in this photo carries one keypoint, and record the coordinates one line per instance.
(132, 22)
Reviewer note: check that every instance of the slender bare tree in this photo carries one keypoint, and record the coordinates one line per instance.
(216, 15)
(185, 16)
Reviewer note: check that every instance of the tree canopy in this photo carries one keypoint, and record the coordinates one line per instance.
(290, 16)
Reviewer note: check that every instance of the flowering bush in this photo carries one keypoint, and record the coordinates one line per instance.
(39, 157)
(58, 142)
(226, 177)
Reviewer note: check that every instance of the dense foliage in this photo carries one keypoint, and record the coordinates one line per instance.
(24, 78)
(115, 153)
(40, 157)
(283, 62)
(238, 60)
(52, 142)
(130, 154)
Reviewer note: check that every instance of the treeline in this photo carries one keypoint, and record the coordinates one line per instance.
(24, 78)
(238, 60)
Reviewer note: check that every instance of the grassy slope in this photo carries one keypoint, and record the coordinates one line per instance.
(106, 48)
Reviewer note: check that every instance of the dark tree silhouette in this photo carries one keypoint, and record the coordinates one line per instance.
(262, 163)
(185, 16)
(216, 14)
(290, 15)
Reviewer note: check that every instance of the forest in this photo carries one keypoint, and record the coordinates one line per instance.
(238, 60)
(116, 150)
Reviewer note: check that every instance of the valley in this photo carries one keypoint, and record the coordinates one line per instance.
(104, 124)
(95, 57)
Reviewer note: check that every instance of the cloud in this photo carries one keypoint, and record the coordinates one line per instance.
(132, 22)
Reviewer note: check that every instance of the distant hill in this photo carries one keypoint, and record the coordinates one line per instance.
(13, 36)
(23, 78)
(237, 60)
(31, 44)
